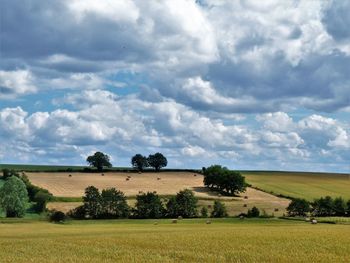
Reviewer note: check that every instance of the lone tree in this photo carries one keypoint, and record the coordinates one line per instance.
(224, 180)
(298, 207)
(14, 197)
(157, 161)
(139, 161)
(99, 160)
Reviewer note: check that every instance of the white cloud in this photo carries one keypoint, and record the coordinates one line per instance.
(17, 82)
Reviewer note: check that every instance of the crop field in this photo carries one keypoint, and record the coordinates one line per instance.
(302, 185)
(225, 240)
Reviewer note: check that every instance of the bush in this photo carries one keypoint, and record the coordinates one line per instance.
(148, 205)
(254, 212)
(57, 216)
(223, 180)
(14, 197)
(183, 204)
(323, 206)
(204, 212)
(298, 207)
(219, 209)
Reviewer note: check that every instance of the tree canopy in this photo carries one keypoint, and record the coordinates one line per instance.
(14, 197)
(139, 161)
(224, 180)
(157, 161)
(149, 205)
(99, 160)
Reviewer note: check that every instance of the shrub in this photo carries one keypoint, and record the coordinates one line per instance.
(57, 216)
(204, 212)
(219, 209)
(148, 205)
(254, 212)
(14, 197)
(298, 207)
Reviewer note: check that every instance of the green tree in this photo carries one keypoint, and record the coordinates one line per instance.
(6, 173)
(348, 208)
(157, 161)
(339, 206)
(99, 160)
(41, 198)
(226, 181)
(219, 209)
(298, 207)
(148, 205)
(323, 206)
(92, 202)
(14, 197)
(184, 204)
(113, 204)
(254, 212)
(139, 161)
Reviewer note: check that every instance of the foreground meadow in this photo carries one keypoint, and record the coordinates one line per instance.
(301, 184)
(225, 240)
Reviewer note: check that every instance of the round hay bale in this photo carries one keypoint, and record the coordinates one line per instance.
(219, 195)
(241, 217)
(70, 175)
(102, 174)
(127, 179)
(208, 222)
(158, 178)
(179, 217)
(209, 206)
(246, 197)
(139, 172)
(174, 221)
(245, 205)
(154, 192)
(140, 192)
(276, 209)
(194, 175)
(314, 221)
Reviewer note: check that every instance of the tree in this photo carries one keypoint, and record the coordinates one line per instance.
(14, 197)
(139, 161)
(323, 206)
(157, 161)
(183, 204)
(57, 216)
(6, 173)
(219, 209)
(204, 212)
(113, 204)
(99, 160)
(148, 205)
(339, 206)
(254, 212)
(226, 181)
(298, 207)
(41, 198)
(348, 208)
(92, 202)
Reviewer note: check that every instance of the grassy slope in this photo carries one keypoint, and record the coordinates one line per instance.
(226, 240)
(303, 185)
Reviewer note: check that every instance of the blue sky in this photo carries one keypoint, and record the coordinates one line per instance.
(246, 84)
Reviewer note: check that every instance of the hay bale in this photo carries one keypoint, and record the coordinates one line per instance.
(194, 175)
(102, 174)
(208, 222)
(140, 192)
(154, 192)
(276, 209)
(127, 179)
(209, 206)
(174, 221)
(179, 217)
(246, 197)
(70, 175)
(139, 172)
(158, 178)
(219, 195)
(245, 205)
(314, 221)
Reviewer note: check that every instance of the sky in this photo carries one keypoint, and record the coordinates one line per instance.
(256, 85)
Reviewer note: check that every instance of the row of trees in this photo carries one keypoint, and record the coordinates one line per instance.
(324, 206)
(100, 160)
(225, 181)
(18, 191)
(112, 203)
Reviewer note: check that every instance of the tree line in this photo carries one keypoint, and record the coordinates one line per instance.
(101, 160)
(324, 206)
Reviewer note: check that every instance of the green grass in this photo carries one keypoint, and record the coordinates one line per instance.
(225, 240)
(301, 185)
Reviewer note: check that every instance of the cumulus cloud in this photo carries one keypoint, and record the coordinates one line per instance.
(17, 82)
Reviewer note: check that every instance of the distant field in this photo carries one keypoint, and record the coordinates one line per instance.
(302, 185)
(225, 240)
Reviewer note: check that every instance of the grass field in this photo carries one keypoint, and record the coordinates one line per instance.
(302, 185)
(225, 240)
